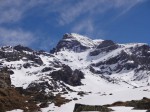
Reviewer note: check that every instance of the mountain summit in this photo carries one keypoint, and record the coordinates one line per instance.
(76, 43)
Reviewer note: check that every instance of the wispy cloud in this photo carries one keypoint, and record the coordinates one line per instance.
(80, 14)
(127, 5)
(15, 37)
(88, 28)
(14, 10)
(93, 8)
(9, 11)
(83, 27)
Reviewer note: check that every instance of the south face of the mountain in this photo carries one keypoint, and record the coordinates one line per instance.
(74, 67)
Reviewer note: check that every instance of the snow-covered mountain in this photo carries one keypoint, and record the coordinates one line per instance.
(76, 43)
(107, 58)
(78, 70)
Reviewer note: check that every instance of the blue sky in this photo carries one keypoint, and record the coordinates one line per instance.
(40, 24)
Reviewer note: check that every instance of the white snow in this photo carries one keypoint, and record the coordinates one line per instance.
(22, 77)
(130, 62)
(125, 109)
(16, 110)
(100, 95)
(85, 41)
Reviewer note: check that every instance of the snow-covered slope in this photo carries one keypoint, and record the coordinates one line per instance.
(120, 63)
(109, 68)
(85, 41)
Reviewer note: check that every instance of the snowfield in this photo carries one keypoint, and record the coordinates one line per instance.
(101, 95)
(125, 109)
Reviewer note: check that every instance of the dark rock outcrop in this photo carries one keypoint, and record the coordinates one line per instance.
(5, 80)
(22, 48)
(36, 87)
(121, 61)
(80, 108)
(68, 76)
(143, 104)
(106, 43)
(46, 69)
(27, 65)
(105, 46)
(17, 53)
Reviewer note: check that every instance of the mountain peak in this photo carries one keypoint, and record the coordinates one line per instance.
(22, 48)
(76, 42)
(84, 40)
(74, 36)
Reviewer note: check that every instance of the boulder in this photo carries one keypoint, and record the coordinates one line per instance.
(67, 75)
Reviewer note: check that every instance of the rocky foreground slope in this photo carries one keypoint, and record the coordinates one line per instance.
(75, 71)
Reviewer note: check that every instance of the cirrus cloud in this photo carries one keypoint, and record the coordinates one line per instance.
(68, 11)
(79, 14)
(14, 37)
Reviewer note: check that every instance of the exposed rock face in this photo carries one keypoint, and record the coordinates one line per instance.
(142, 55)
(34, 58)
(106, 43)
(46, 69)
(143, 104)
(5, 80)
(36, 87)
(80, 108)
(105, 46)
(122, 61)
(27, 65)
(137, 59)
(68, 76)
(22, 48)
(19, 52)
